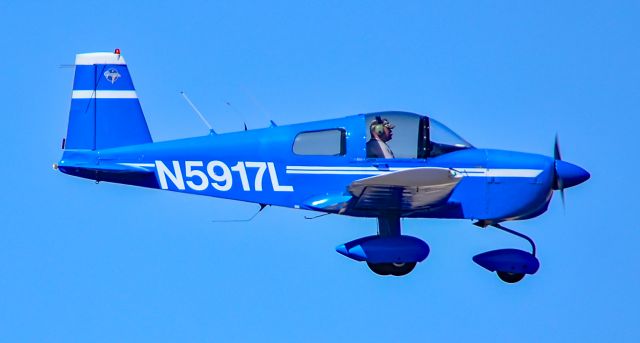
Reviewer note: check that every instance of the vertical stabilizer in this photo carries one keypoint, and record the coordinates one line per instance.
(105, 111)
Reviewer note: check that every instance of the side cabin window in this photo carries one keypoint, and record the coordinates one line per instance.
(394, 135)
(406, 135)
(330, 142)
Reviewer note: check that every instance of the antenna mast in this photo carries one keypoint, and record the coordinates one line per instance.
(195, 109)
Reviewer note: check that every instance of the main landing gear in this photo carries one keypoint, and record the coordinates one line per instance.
(389, 252)
(511, 265)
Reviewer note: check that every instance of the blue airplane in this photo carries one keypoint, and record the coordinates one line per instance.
(386, 165)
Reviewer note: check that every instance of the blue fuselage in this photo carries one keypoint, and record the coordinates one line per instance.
(261, 166)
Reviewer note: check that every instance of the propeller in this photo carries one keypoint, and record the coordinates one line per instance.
(557, 181)
(565, 174)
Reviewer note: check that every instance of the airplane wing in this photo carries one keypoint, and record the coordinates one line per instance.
(404, 190)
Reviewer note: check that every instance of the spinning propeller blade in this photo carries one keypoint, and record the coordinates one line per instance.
(557, 181)
(566, 174)
(556, 149)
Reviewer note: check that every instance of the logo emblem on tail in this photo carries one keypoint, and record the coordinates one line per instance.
(112, 75)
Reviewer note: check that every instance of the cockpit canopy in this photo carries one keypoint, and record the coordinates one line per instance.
(409, 135)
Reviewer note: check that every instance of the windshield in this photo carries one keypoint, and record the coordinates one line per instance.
(444, 140)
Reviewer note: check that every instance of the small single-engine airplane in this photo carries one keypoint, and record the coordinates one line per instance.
(386, 165)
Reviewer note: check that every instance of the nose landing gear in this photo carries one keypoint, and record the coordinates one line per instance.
(511, 265)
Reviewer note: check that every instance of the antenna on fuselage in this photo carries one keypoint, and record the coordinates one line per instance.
(262, 206)
(195, 109)
(318, 216)
(237, 112)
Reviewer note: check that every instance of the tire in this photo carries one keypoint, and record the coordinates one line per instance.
(509, 277)
(401, 269)
(380, 268)
(395, 269)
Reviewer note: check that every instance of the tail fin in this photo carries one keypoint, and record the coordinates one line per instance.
(105, 111)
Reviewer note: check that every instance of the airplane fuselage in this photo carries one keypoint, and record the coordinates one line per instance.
(260, 166)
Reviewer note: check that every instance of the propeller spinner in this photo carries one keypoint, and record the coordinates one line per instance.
(566, 174)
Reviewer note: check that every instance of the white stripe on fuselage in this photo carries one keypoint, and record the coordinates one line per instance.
(139, 165)
(488, 172)
(329, 168)
(337, 172)
(322, 170)
(466, 172)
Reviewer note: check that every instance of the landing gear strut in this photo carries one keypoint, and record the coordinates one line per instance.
(389, 226)
(511, 265)
(521, 235)
(512, 277)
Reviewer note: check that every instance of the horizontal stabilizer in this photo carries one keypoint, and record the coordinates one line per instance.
(86, 165)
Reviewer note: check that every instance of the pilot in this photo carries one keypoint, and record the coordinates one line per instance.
(381, 132)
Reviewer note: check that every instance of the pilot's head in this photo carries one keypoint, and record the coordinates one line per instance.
(381, 128)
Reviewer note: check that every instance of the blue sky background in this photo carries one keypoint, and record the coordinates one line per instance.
(81, 262)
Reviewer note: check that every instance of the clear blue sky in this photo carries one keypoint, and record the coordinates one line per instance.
(81, 262)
